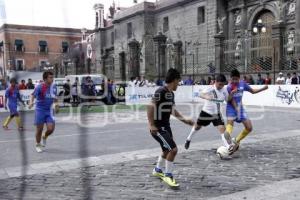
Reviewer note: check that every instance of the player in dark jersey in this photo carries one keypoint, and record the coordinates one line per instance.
(159, 111)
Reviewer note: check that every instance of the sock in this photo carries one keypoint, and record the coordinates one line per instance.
(193, 131)
(18, 121)
(160, 162)
(242, 135)
(225, 139)
(229, 128)
(7, 121)
(169, 167)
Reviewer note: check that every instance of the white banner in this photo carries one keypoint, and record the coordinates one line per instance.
(276, 95)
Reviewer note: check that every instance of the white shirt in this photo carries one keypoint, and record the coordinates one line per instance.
(288, 81)
(280, 80)
(211, 107)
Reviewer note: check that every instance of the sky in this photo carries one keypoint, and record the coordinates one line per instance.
(57, 13)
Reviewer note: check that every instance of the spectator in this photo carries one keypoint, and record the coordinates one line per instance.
(189, 81)
(202, 81)
(208, 80)
(22, 86)
(250, 80)
(260, 80)
(280, 80)
(288, 80)
(109, 91)
(143, 82)
(30, 85)
(212, 81)
(67, 91)
(3, 85)
(74, 92)
(245, 78)
(159, 82)
(131, 82)
(267, 80)
(295, 79)
(151, 83)
(137, 81)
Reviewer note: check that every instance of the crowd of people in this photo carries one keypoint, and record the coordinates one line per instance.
(21, 86)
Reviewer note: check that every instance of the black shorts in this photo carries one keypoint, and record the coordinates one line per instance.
(165, 138)
(205, 119)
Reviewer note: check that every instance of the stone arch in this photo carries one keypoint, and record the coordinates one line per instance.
(261, 9)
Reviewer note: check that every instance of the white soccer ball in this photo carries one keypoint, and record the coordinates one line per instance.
(222, 152)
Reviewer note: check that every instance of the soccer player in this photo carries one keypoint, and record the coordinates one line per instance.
(12, 96)
(235, 110)
(214, 95)
(45, 95)
(158, 112)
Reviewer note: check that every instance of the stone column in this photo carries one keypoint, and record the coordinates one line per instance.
(160, 54)
(134, 58)
(297, 15)
(278, 45)
(178, 56)
(219, 49)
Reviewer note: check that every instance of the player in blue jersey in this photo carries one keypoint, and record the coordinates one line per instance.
(45, 95)
(12, 96)
(235, 110)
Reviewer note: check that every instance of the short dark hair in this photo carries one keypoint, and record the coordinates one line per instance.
(221, 78)
(46, 74)
(13, 80)
(235, 73)
(172, 75)
(288, 74)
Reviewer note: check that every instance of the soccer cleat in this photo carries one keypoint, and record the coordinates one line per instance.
(44, 141)
(38, 148)
(168, 178)
(187, 144)
(233, 148)
(5, 127)
(158, 172)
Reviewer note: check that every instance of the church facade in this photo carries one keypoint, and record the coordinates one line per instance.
(198, 37)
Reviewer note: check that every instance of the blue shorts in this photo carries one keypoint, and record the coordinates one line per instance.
(232, 114)
(13, 109)
(44, 117)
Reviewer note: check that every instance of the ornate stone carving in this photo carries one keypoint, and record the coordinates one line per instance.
(291, 41)
(221, 24)
(291, 10)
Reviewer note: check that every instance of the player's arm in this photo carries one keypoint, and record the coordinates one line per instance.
(180, 117)
(5, 102)
(255, 91)
(150, 115)
(31, 100)
(20, 99)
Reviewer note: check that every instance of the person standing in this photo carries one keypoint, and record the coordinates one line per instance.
(280, 80)
(288, 80)
(159, 112)
(46, 97)
(295, 79)
(12, 96)
(22, 86)
(30, 85)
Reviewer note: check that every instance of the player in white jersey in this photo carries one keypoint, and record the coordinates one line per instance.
(214, 95)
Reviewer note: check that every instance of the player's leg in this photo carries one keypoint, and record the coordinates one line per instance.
(204, 119)
(38, 137)
(248, 128)
(50, 128)
(7, 121)
(18, 121)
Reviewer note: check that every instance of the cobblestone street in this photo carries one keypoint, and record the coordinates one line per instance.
(201, 174)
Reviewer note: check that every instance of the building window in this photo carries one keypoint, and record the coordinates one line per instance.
(65, 47)
(19, 64)
(43, 64)
(19, 45)
(43, 46)
(166, 24)
(129, 30)
(201, 15)
(112, 37)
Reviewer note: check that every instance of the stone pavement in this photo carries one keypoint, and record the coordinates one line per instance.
(201, 174)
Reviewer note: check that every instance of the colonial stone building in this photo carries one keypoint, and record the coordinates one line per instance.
(31, 48)
(198, 37)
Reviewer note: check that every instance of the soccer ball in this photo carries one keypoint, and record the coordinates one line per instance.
(222, 152)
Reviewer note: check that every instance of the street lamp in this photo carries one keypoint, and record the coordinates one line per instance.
(259, 27)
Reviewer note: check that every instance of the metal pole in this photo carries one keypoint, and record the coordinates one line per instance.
(185, 53)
